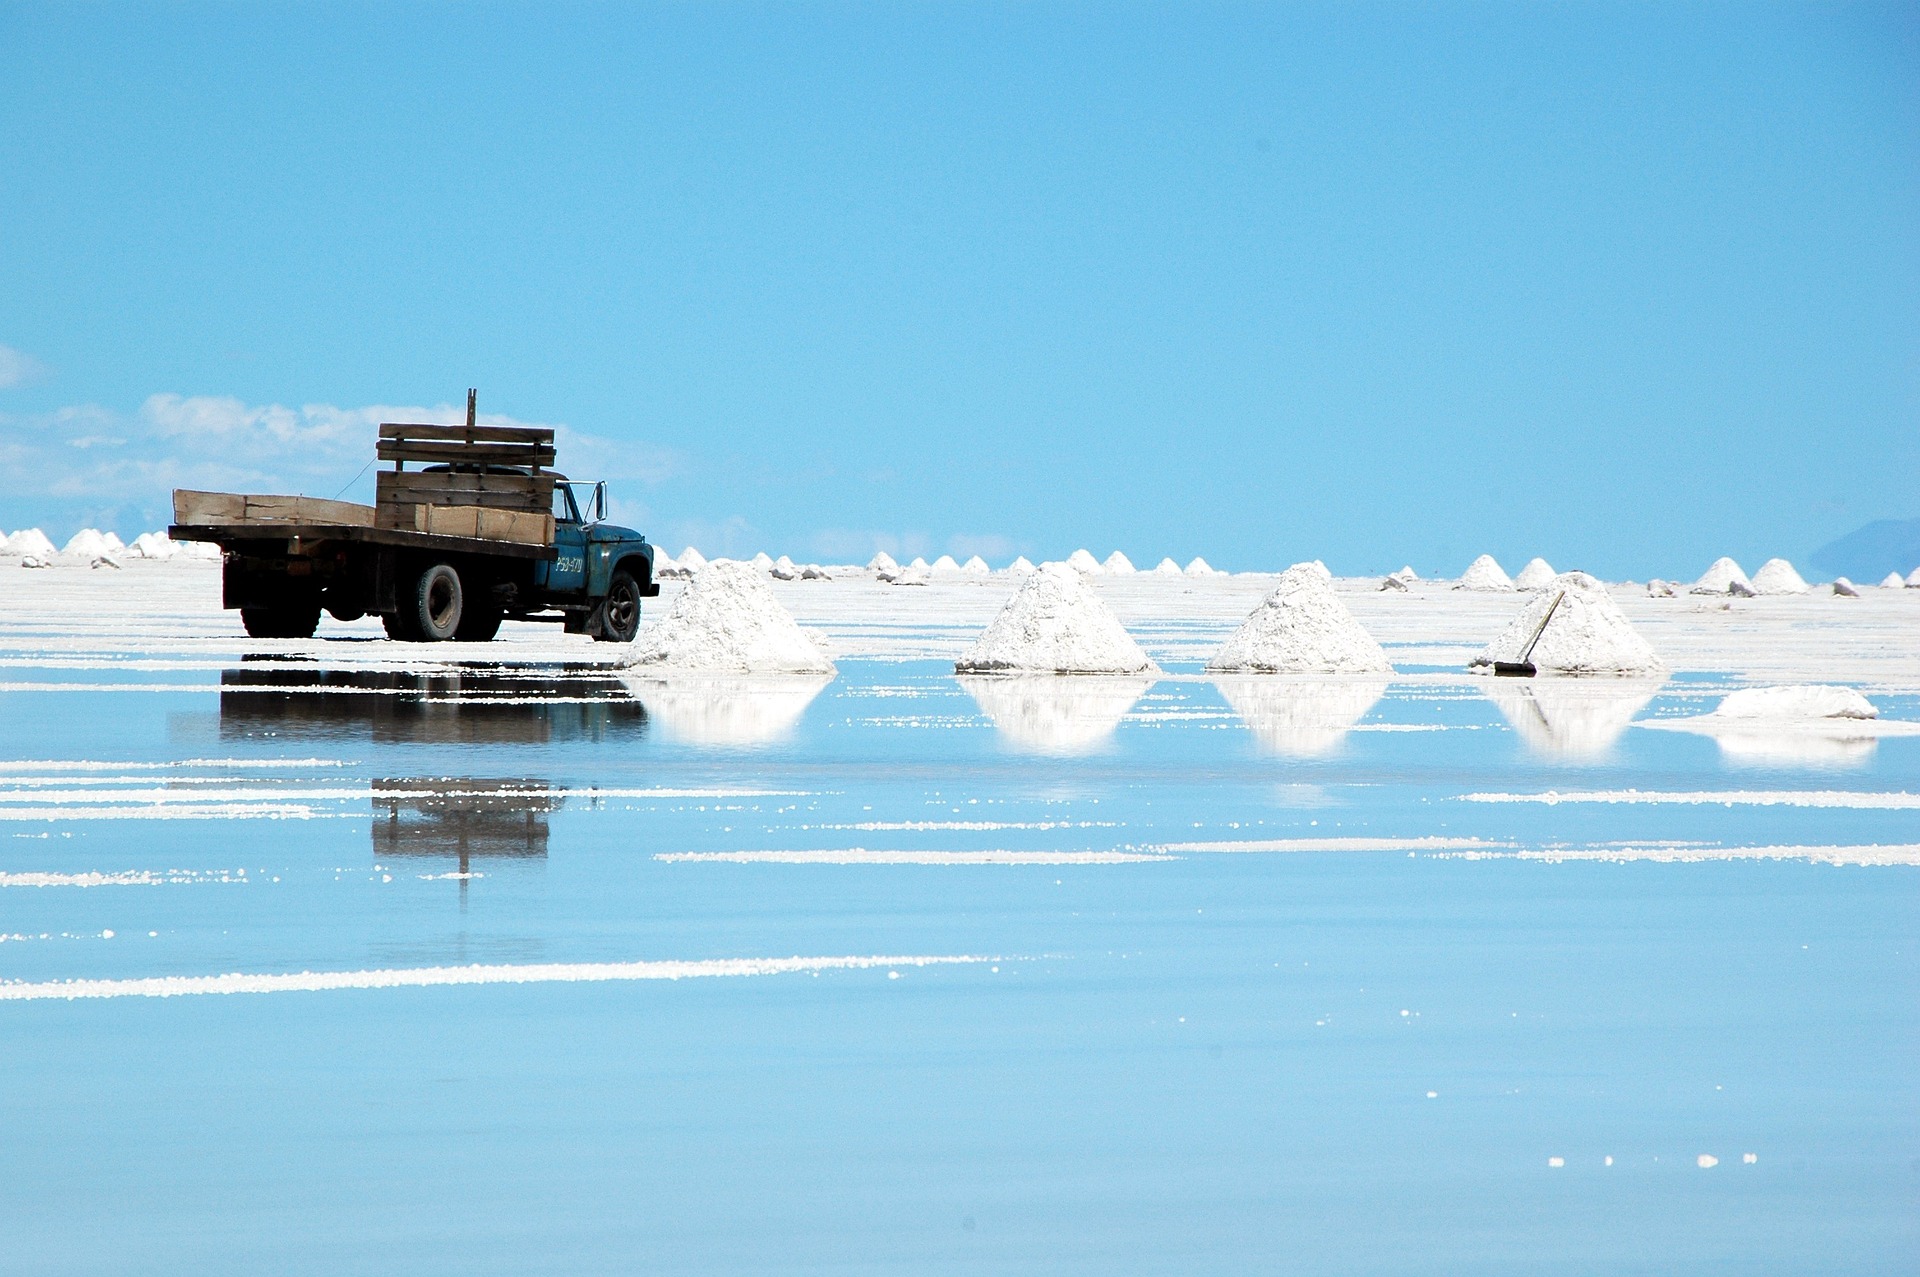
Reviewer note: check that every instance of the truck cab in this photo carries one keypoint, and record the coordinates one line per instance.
(595, 560)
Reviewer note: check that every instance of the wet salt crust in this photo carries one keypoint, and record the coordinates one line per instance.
(1301, 628)
(727, 621)
(1585, 633)
(1054, 624)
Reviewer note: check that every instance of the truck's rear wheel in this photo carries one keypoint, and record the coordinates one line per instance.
(435, 603)
(478, 624)
(296, 620)
(620, 610)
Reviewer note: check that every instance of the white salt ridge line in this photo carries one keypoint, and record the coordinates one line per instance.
(1336, 844)
(94, 765)
(966, 826)
(130, 878)
(1865, 854)
(289, 794)
(423, 977)
(1900, 801)
(307, 689)
(862, 856)
(171, 811)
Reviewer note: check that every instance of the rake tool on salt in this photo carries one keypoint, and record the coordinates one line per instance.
(1524, 667)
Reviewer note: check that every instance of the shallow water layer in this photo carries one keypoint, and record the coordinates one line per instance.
(565, 971)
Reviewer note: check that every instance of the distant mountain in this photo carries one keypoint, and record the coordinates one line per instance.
(1869, 553)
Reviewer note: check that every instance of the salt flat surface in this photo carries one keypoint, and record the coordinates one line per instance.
(560, 966)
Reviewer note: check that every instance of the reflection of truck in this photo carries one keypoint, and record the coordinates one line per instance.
(480, 531)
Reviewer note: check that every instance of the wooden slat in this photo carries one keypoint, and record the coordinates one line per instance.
(522, 526)
(501, 491)
(467, 434)
(238, 508)
(496, 454)
(208, 507)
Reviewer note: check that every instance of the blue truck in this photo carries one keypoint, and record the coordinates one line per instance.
(481, 530)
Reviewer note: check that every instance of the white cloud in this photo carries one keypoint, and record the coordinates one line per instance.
(17, 368)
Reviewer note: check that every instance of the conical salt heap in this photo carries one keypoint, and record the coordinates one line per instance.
(1301, 628)
(153, 545)
(882, 562)
(1893, 581)
(1054, 624)
(1166, 567)
(976, 566)
(29, 543)
(1585, 633)
(1083, 561)
(1118, 564)
(1200, 567)
(1535, 575)
(727, 621)
(1721, 578)
(1485, 573)
(1776, 576)
(1022, 566)
(88, 543)
(945, 563)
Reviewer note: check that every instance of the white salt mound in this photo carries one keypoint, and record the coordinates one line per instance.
(1054, 624)
(1658, 589)
(784, 569)
(915, 573)
(1913, 579)
(1082, 561)
(1118, 564)
(1776, 576)
(1200, 567)
(1484, 573)
(35, 561)
(882, 562)
(1407, 574)
(976, 566)
(814, 572)
(761, 561)
(945, 563)
(1301, 628)
(1166, 567)
(30, 543)
(1392, 583)
(89, 544)
(1892, 581)
(114, 543)
(727, 622)
(920, 565)
(1585, 633)
(205, 550)
(1535, 575)
(1721, 578)
(692, 560)
(1021, 566)
(1845, 588)
(1800, 701)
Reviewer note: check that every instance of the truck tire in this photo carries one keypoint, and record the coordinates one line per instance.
(430, 606)
(296, 620)
(479, 622)
(620, 610)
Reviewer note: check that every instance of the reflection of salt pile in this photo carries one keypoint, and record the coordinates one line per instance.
(1054, 624)
(1585, 633)
(727, 622)
(1484, 573)
(1568, 718)
(1047, 715)
(1301, 628)
(1200, 567)
(1118, 564)
(710, 710)
(1776, 576)
(1300, 717)
(1721, 578)
(1082, 561)
(1534, 576)
(29, 543)
(1166, 567)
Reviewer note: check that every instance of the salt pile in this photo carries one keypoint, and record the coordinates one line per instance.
(1166, 567)
(1776, 576)
(915, 573)
(1054, 624)
(1021, 566)
(1535, 575)
(945, 563)
(1392, 583)
(784, 569)
(1407, 574)
(692, 560)
(1913, 579)
(1845, 588)
(727, 622)
(1118, 564)
(1200, 567)
(1721, 578)
(89, 544)
(29, 543)
(1658, 589)
(920, 565)
(1484, 573)
(1301, 628)
(1081, 561)
(976, 566)
(1300, 717)
(1797, 702)
(1892, 581)
(814, 572)
(761, 561)
(1584, 633)
(683, 568)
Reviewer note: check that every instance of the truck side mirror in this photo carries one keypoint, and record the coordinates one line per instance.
(600, 501)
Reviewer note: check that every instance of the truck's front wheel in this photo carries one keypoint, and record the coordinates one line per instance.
(431, 610)
(620, 611)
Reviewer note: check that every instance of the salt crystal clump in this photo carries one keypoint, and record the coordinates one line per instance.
(945, 563)
(1893, 581)
(1082, 561)
(35, 561)
(1801, 701)
(30, 543)
(1200, 567)
(976, 566)
(1658, 589)
(1484, 573)
(1845, 588)
(727, 621)
(89, 544)
(1392, 583)
(1721, 578)
(915, 573)
(1585, 633)
(1021, 566)
(1535, 575)
(784, 569)
(1118, 564)
(1301, 628)
(1776, 576)
(882, 562)
(814, 572)
(1166, 567)
(1054, 624)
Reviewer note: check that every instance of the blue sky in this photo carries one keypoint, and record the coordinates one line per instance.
(1629, 286)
